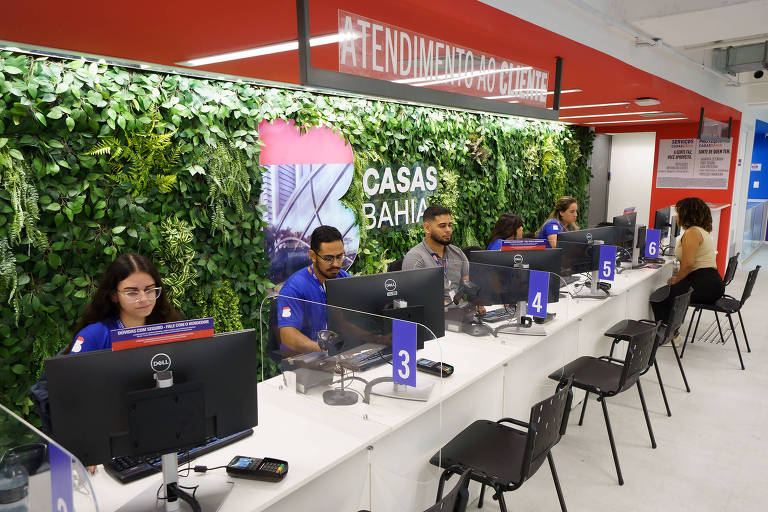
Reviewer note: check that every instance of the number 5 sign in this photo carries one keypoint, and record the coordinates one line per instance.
(607, 266)
(652, 239)
(404, 352)
(538, 291)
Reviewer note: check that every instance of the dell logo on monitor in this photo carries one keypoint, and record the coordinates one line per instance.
(518, 259)
(589, 237)
(160, 362)
(390, 285)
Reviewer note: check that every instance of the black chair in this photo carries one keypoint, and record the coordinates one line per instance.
(607, 376)
(727, 305)
(730, 269)
(454, 501)
(625, 329)
(396, 265)
(471, 248)
(502, 456)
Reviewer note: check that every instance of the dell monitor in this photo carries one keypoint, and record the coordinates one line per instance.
(547, 260)
(421, 290)
(90, 394)
(578, 258)
(587, 236)
(662, 220)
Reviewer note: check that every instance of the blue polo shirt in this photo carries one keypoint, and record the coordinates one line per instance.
(307, 317)
(96, 336)
(495, 245)
(551, 227)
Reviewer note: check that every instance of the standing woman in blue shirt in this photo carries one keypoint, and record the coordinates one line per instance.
(562, 218)
(508, 227)
(130, 294)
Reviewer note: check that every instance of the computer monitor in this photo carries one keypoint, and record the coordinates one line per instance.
(585, 236)
(497, 284)
(99, 400)
(422, 289)
(578, 258)
(624, 230)
(547, 260)
(640, 242)
(662, 219)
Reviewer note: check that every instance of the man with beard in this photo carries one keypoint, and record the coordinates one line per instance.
(300, 320)
(436, 251)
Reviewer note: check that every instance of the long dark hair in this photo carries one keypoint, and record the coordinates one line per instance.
(103, 307)
(692, 211)
(506, 227)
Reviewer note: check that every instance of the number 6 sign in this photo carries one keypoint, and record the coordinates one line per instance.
(404, 352)
(652, 239)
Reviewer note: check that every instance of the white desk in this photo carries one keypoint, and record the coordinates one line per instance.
(377, 456)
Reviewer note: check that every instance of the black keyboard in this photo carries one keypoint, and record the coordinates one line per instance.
(365, 360)
(497, 315)
(128, 469)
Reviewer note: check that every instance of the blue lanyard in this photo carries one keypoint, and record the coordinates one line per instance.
(321, 285)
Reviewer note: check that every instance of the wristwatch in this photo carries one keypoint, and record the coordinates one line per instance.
(326, 339)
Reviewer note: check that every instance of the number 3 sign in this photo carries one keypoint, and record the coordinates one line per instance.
(404, 352)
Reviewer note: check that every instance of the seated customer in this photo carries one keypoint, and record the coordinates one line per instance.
(300, 320)
(696, 254)
(562, 218)
(508, 227)
(130, 294)
(436, 251)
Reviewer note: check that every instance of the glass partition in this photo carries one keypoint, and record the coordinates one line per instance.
(38, 474)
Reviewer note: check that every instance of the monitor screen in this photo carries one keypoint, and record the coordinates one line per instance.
(91, 395)
(421, 289)
(578, 257)
(547, 260)
(662, 219)
(497, 284)
(624, 230)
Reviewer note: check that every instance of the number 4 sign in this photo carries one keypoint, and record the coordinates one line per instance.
(652, 240)
(607, 266)
(404, 352)
(538, 291)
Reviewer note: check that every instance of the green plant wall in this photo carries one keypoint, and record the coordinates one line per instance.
(97, 160)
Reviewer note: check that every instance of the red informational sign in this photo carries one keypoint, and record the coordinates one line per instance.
(161, 333)
(525, 244)
(370, 48)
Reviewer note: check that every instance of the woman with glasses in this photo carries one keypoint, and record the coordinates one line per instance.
(130, 294)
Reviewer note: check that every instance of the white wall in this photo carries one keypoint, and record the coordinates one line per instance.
(631, 174)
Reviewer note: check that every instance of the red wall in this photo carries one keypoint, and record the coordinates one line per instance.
(662, 197)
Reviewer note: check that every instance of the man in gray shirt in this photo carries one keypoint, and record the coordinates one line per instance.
(436, 251)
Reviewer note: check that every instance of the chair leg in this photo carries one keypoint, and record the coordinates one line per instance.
(698, 319)
(610, 438)
(736, 340)
(441, 483)
(557, 482)
(661, 385)
(720, 329)
(482, 496)
(583, 408)
(500, 496)
(744, 330)
(645, 412)
(680, 365)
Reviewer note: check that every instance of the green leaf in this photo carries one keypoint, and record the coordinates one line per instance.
(15, 153)
(118, 229)
(53, 207)
(12, 70)
(18, 369)
(70, 123)
(41, 118)
(54, 260)
(80, 281)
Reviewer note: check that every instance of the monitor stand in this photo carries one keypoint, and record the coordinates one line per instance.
(420, 392)
(210, 494)
(520, 326)
(636, 250)
(340, 396)
(594, 291)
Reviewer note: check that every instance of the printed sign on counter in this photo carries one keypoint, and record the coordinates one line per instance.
(404, 352)
(607, 266)
(523, 244)
(538, 292)
(161, 333)
(652, 240)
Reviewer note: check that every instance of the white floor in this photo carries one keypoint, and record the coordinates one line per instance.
(712, 452)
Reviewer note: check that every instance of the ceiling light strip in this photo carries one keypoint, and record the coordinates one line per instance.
(617, 104)
(639, 120)
(614, 114)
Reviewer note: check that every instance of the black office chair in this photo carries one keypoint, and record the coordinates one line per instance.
(396, 265)
(727, 305)
(730, 269)
(471, 248)
(625, 329)
(607, 376)
(454, 501)
(503, 457)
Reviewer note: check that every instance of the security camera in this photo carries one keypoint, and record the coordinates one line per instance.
(758, 74)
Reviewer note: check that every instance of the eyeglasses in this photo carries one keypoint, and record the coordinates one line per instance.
(151, 294)
(330, 258)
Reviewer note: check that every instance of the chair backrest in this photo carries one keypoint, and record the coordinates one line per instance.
(457, 499)
(676, 315)
(730, 269)
(639, 352)
(545, 427)
(750, 284)
(396, 265)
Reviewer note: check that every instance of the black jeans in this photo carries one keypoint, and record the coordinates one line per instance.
(707, 288)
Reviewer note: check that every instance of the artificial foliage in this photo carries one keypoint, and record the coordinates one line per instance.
(60, 116)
